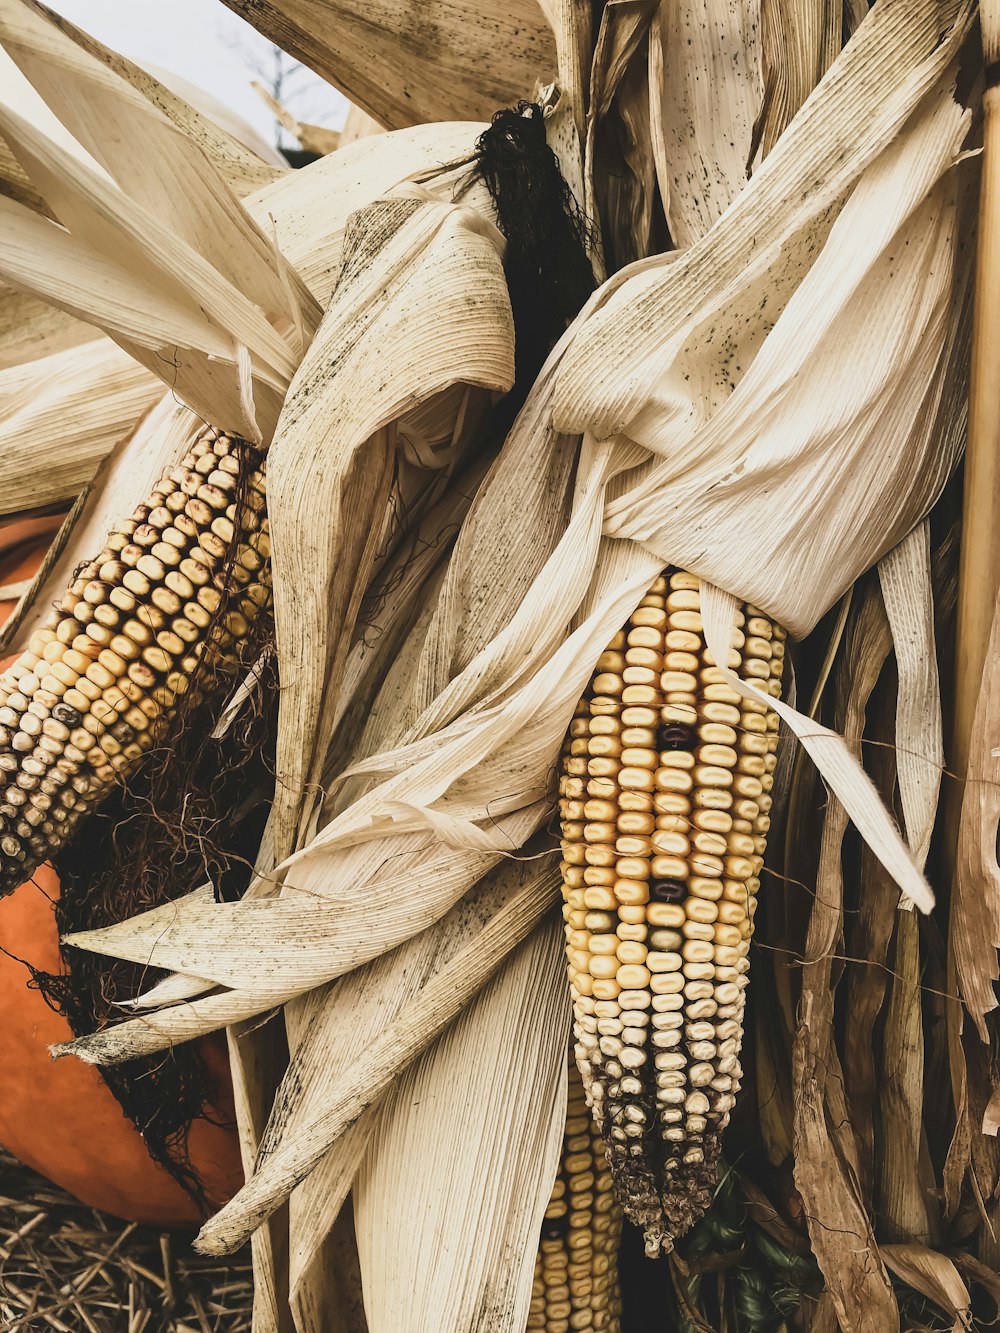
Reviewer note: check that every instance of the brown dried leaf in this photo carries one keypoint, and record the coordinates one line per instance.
(974, 933)
(902, 1206)
(935, 1276)
(826, 1156)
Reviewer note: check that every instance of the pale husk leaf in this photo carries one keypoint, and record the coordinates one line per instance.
(172, 224)
(449, 1203)
(335, 1023)
(61, 414)
(521, 901)
(461, 61)
(905, 575)
(224, 136)
(423, 291)
(312, 227)
(800, 39)
(897, 56)
(802, 434)
(30, 329)
(156, 163)
(705, 79)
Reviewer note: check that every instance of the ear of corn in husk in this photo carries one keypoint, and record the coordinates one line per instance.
(665, 800)
(171, 592)
(469, 743)
(414, 795)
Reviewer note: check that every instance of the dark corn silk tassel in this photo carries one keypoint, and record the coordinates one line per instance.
(576, 1283)
(549, 275)
(664, 800)
(163, 604)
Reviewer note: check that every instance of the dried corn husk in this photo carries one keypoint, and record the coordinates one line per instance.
(706, 88)
(137, 255)
(143, 263)
(422, 290)
(310, 207)
(30, 328)
(461, 61)
(450, 1199)
(356, 1039)
(504, 713)
(974, 933)
(827, 1165)
(61, 414)
(935, 1276)
(245, 162)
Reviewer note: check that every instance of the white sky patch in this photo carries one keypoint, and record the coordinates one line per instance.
(209, 45)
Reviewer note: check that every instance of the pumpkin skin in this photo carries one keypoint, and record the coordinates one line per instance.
(59, 1116)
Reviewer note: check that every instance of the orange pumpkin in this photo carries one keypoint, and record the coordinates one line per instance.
(59, 1117)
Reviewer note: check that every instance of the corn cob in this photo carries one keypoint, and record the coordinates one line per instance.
(174, 590)
(576, 1269)
(664, 800)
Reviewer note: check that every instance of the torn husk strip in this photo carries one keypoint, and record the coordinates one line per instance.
(60, 415)
(440, 1000)
(974, 929)
(440, 1181)
(827, 1172)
